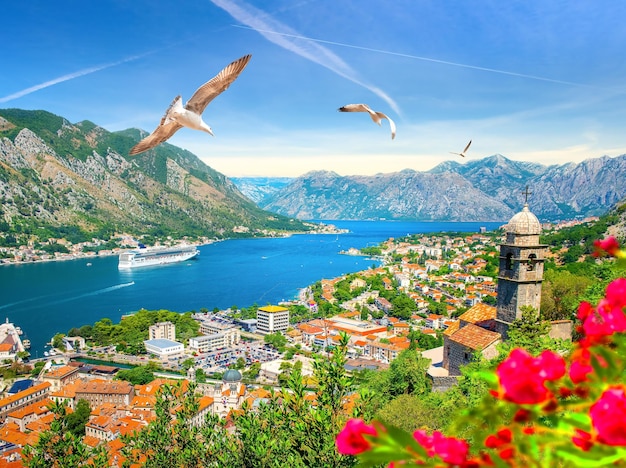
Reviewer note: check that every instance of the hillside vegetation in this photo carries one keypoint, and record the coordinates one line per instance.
(55, 175)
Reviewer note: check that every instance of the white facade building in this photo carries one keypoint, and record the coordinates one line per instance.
(163, 348)
(272, 319)
(206, 343)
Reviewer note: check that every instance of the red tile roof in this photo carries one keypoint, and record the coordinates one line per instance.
(475, 337)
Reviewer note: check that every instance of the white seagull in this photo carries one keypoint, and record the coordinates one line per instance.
(462, 153)
(176, 116)
(376, 116)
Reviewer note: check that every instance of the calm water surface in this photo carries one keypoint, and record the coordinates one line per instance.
(52, 297)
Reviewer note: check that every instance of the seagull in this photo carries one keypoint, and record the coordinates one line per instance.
(462, 153)
(176, 116)
(376, 116)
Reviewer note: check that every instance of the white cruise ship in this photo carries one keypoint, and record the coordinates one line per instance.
(156, 256)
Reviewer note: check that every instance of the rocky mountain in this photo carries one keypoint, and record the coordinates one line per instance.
(489, 189)
(259, 188)
(54, 173)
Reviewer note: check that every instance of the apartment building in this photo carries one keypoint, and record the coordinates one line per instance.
(272, 319)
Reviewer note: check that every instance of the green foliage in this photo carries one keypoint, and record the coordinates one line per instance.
(133, 330)
(77, 419)
(560, 294)
(372, 250)
(60, 446)
(139, 375)
(289, 431)
(276, 340)
(173, 440)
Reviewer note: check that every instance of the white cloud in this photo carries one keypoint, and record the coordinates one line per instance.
(287, 38)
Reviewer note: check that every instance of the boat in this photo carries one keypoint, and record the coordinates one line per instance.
(156, 256)
(26, 343)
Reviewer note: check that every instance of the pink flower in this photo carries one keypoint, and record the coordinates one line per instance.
(580, 366)
(350, 440)
(450, 450)
(522, 377)
(608, 245)
(616, 293)
(582, 439)
(584, 309)
(608, 416)
(606, 320)
(502, 437)
(551, 364)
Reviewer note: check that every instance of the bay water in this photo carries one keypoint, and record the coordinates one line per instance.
(46, 298)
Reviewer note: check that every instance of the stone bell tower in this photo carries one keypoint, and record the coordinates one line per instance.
(521, 268)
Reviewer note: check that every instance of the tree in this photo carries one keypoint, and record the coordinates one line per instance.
(276, 340)
(200, 375)
(78, 418)
(60, 447)
(140, 375)
(188, 363)
(403, 306)
(561, 294)
(172, 440)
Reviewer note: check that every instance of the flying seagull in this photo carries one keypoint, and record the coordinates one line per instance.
(376, 116)
(462, 153)
(176, 116)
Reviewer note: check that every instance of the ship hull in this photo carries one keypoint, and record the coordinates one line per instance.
(153, 257)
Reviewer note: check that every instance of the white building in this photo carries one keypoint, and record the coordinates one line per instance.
(272, 319)
(164, 348)
(231, 334)
(165, 330)
(206, 343)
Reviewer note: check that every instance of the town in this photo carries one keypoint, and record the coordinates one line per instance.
(445, 298)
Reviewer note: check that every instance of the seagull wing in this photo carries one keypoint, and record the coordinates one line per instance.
(217, 85)
(392, 124)
(355, 108)
(467, 147)
(160, 134)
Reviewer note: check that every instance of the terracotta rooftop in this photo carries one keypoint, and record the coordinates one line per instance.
(452, 327)
(60, 372)
(479, 313)
(29, 391)
(105, 386)
(475, 337)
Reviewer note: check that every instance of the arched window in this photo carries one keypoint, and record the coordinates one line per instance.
(532, 261)
(509, 261)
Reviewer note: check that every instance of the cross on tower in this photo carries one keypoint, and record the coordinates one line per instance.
(526, 192)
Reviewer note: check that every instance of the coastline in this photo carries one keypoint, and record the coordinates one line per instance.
(39, 258)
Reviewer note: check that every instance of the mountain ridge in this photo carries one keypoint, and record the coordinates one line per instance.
(56, 173)
(492, 189)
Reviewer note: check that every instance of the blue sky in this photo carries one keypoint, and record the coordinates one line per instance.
(533, 81)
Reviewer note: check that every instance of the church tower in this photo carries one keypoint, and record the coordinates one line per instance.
(521, 269)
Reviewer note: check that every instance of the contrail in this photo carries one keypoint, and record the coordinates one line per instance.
(265, 25)
(417, 57)
(70, 76)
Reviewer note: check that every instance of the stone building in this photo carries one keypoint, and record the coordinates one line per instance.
(521, 269)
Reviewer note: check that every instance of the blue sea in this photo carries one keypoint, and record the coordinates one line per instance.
(51, 297)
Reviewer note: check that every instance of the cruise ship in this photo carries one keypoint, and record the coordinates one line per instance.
(156, 256)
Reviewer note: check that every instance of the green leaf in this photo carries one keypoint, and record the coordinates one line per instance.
(591, 458)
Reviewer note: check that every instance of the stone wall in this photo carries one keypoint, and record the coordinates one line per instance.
(443, 383)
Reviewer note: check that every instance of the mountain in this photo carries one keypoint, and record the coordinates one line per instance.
(259, 188)
(489, 189)
(54, 173)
